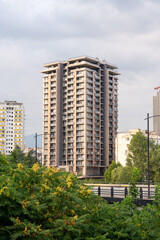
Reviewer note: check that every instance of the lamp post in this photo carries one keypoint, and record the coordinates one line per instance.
(148, 155)
(148, 117)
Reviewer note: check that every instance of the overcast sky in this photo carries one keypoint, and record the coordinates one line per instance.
(123, 32)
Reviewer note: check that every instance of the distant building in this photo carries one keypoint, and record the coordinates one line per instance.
(121, 145)
(156, 111)
(123, 140)
(11, 126)
(80, 115)
(39, 153)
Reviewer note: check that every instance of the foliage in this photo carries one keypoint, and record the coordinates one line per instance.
(18, 156)
(121, 174)
(108, 172)
(133, 190)
(155, 163)
(138, 156)
(44, 204)
(116, 173)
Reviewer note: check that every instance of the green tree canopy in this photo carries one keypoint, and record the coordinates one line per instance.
(138, 154)
(18, 156)
(45, 204)
(121, 174)
(108, 172)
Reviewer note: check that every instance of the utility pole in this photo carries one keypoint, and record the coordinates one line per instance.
(35, 147)
(148, 156)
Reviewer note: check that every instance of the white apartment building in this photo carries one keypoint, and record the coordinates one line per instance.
(11, 126)
(121, 145)
(123, 140)
(156, 111)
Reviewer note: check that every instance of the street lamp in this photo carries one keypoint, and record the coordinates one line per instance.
(148, 117)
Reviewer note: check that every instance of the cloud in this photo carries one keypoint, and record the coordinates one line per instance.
(124, 32)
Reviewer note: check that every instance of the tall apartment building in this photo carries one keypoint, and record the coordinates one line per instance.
(80, 115)
(11, 126)
(156, 111)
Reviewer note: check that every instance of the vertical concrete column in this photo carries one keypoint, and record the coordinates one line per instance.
(106, 117)
(43, 126)
(59, 112)
(85, 124)
(93, 79)
(74, 122)
(49, 118)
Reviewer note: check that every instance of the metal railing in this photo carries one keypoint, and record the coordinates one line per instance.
(122, 192)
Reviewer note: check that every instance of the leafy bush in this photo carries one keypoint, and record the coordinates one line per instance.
(44, 204)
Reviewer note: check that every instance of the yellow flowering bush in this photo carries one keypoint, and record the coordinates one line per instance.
(48, 204)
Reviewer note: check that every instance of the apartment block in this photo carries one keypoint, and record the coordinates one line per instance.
(123, 140)
(156, 111)
(121, 145)
(80, 115)
(11, 126)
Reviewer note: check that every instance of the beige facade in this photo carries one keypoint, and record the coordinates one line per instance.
(80, 115)
(156, 111)
(11, 126)
(121, 145)
(123, 140)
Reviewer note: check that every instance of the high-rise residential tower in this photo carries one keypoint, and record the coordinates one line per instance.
(80, 115)
(156, 111)
(11, 126)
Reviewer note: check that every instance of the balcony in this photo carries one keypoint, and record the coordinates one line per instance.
(79, 92)
(70, 93)
(81, 133)
(89, 145)
(53, 84)
(70, 110)
(89, 110)
(89, 86)
(70, 117)
(79, 139)
(96, 76)
(79, 145)
(80, 115)
(80, 80)
(80, 86)
(80, 97)
(89, 92)
(80, 121)
(80, 109)
(97, 83)
(97, 89)
(90, 75)
(89, 80)
(97, 94)
(89, 104)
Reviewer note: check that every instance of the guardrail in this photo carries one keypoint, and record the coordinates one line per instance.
(118, 193)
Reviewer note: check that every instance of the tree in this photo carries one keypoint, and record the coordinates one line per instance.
(46, 204)
(30, 158)
(121, 174)
(108, 172)
(18, 156)
(138, 153)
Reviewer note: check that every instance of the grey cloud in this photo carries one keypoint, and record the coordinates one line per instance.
(66, 19)
(123, 32)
